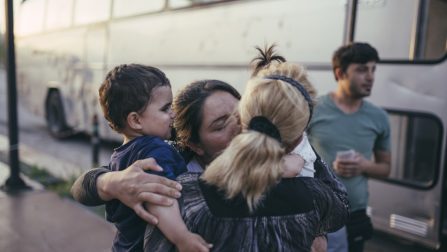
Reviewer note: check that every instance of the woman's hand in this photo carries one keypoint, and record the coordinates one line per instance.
(132, 186)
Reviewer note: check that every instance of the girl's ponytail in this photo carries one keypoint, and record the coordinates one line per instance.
(250, 165)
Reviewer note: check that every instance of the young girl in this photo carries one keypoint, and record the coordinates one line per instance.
(267, 64)
(270, 64)
(136, 101)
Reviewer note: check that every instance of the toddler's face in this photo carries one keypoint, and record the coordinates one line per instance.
(157, 118)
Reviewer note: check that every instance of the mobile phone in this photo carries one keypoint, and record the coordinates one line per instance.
(346, 155)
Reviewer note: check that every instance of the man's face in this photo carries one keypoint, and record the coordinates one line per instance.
(358, 79)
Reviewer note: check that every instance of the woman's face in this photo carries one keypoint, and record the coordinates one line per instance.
(219, 125)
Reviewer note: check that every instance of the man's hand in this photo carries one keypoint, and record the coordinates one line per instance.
(350, 167)
(380, 168)
(132, 186)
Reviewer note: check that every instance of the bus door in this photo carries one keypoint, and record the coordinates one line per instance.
(410, 83)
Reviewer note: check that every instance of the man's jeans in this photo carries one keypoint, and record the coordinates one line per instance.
(337, 241)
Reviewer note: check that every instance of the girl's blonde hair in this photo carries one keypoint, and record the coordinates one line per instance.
(252, 163)
(268, 63)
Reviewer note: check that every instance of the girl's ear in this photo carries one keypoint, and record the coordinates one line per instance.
(133, 121)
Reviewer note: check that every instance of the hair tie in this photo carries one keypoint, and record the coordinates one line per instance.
(265, 126)
(298, 86)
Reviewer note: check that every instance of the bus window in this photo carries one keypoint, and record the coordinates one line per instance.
(31, 17)
(87, 11)
(416, 142)
(420, 31)
(186, 3)
(59, 14)
(434, 42)
(377, 24)
(123, 8)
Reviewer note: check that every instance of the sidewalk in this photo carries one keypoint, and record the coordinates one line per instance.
(28, 155)
(38, 220)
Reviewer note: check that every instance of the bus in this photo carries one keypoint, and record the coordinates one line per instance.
(65, 47)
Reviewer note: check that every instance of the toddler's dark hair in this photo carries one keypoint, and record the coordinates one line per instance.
(126, 89)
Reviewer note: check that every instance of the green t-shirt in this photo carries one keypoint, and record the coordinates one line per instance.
(364, 131)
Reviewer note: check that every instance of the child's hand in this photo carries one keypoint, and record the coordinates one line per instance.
(293, 164)
(193, 243)
(319, 244)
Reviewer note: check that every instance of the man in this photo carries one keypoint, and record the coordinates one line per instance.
(352, 136)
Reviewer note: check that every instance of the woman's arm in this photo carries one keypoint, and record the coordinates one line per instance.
(332, 198)
(84, 189)
(328, 177)
(332, 210)
(131, 186)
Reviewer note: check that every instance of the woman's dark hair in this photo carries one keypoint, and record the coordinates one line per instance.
(126, 89)
(188, 108)
(360, 53)
(265, 57)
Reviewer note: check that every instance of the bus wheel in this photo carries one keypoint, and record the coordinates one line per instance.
(55, 116)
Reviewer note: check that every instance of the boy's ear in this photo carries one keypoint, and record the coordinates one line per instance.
(133, 120)
(339, 74)
(196, 148)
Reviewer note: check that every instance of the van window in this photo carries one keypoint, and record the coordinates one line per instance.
(415, 148)
(87, 11)
(122, 8)
(418, 27)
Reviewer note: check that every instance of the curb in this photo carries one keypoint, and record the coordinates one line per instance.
(4, 174)
(58, 168)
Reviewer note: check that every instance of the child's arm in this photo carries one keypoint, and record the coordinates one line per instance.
(293, 164)
(172, 226)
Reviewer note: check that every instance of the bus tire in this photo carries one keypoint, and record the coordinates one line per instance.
(55, 116)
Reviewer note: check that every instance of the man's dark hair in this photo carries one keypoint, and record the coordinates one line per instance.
(188, 108)
(360, 53)
(126, 89)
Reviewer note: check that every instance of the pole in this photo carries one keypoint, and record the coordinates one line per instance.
(96, 142)
(14, 182)
(351, 16)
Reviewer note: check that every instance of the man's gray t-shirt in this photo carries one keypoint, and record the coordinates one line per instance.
(364, 131)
